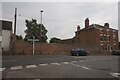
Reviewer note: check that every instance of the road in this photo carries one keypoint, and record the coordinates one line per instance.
(60, 66)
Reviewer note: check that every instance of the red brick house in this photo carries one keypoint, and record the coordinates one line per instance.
(103, 38)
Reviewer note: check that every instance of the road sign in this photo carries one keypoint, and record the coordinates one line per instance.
(33, 40)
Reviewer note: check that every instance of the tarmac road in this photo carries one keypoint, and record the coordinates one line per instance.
(60, 66)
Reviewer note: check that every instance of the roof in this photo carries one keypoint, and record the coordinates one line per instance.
(100, 26)
(95, 26)
(6, 25)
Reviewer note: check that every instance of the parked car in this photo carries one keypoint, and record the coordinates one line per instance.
(116, 52)
(79, 52)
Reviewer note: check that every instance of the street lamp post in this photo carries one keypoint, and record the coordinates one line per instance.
(41, 25)
(41, 31)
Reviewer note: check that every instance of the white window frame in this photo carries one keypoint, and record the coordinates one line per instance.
(108, 30)
(114, 37)
(114, 31)
(101, 30)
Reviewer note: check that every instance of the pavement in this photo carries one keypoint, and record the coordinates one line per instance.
(60, 66)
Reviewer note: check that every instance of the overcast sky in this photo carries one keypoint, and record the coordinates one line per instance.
(61, 18)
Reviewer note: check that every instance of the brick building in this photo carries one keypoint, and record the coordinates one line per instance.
(95, 38)
(103, 38)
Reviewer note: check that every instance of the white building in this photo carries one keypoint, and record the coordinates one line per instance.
(6, 34)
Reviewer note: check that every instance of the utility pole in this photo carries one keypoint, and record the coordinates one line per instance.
(14, 35)
(15, 21)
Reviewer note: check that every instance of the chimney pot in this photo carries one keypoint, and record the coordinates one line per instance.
(86, 22)
(78, 27)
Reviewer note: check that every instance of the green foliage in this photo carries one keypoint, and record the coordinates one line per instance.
(36, 30)
(55, 40)
(19, 37)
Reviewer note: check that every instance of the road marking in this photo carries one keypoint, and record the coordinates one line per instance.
(73, 61)
(2, 69)
(115, 74)
(43, 64)
(55, 63)
(31, 66)
(16, 68)
(81, 66)
(81, 60)
(85, 67)
(36, 79)
(65, 62)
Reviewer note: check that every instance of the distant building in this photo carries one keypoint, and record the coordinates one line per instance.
(104, 38)
(6, 34)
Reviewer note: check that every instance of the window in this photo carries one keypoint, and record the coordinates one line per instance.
(101, 37)
(114, 38)
(114, 46)
(108, 31)
(101, 30)
(105, 38)
(108, 38)
(114, 31)
(102, 47)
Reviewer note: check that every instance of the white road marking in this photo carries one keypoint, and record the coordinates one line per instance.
(36, 79)
(85, 68)
(81, 66)
(65, 62)
(81, 60)
(73, 61)
(115, 74)
(16, 68)
(55, 63)
(2, 69)
(43, 64)
(31, 66)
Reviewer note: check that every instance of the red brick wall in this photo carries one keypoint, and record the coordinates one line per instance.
(44, 48)
(50, 48)
(87, 37)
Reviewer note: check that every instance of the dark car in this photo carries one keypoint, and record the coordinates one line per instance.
(116, 52)
(79, 52)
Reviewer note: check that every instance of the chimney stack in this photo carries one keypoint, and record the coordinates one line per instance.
(86, 22)
(106, 25)
(78, 27)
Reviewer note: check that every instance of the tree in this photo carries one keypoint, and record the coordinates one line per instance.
(55, 40)
(19, 37)
(36, 30)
